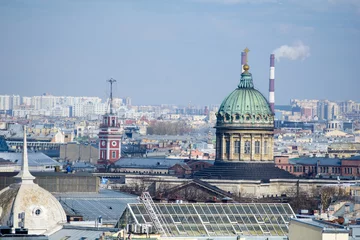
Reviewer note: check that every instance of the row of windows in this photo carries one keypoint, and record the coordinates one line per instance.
(247, 147)
(113, 154)
(135, 171)
(336, 170)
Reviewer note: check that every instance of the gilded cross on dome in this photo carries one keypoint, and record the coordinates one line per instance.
(246, 50)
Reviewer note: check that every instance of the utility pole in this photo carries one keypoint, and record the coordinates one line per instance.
(111, 81)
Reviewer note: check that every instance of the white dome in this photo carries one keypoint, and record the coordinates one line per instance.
(26, 204)
(43, 212)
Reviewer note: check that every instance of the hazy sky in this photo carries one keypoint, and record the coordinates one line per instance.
(179, 51)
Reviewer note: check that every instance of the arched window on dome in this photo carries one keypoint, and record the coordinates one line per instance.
(257, 147)
(247, 147)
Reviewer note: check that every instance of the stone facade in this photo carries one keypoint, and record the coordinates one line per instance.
(234, 145)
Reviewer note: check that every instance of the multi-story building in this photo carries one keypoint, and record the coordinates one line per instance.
(89, 108)
(15, 101)
(320, 166)
(327, 110)
(26, 101)
(4, 102)
(128, 101)
(8, 102)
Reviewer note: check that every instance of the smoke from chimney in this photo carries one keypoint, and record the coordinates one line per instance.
(297, 51)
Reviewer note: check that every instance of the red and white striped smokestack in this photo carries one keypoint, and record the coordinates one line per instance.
(272, 83)
(243, 61)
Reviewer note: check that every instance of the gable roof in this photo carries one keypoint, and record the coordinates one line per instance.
(201, 184)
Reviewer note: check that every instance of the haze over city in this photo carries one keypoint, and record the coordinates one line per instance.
(179, 51)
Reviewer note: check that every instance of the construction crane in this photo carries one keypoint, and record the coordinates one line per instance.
(156, 217)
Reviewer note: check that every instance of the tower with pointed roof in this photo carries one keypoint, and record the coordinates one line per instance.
(26, 205)
(245, 124)
(110, 135)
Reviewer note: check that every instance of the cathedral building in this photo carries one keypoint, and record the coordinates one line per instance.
(244, 136)
(245, 124)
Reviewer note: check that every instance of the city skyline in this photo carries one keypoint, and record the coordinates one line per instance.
(179, 52)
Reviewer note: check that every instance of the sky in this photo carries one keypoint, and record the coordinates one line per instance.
(179, 51)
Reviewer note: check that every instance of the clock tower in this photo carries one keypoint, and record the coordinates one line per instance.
(109, 135)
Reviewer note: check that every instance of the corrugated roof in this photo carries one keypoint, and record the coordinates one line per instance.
(108, 204)
(35, 158)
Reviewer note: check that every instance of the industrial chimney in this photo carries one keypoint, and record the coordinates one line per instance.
(272, 83)
(243, 61)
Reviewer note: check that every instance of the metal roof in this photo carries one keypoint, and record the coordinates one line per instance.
(323, 161)
(76, 233)
(215, 219)
(148, 162)
(108, 204)
(35, 158)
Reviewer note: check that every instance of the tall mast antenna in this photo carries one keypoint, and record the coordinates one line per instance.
(111, 81)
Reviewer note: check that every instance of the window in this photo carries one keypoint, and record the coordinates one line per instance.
(257, 147)
(37, 212)
(227, 150)
(102, 154)
(247, 149)
(265, 147)
(237, 147)
(113, 154)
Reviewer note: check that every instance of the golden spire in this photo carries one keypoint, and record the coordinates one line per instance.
(246, 50)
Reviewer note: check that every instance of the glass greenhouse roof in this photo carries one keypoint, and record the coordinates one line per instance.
(215, 219)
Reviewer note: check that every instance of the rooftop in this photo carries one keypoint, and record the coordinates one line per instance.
(35, 158)
(107, 203)
(244, 171)
(160, 163)
(323, 161)
(325, 226)
(216, 219)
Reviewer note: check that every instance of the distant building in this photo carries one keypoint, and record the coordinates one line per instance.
(320, 166)
(344, 150)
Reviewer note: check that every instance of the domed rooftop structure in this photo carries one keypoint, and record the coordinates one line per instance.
(245, 124)
(26, 204)
(245, 107)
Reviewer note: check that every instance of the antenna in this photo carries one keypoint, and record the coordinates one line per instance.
(111, 81)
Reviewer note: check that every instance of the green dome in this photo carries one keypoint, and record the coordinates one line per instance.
(245, 106)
